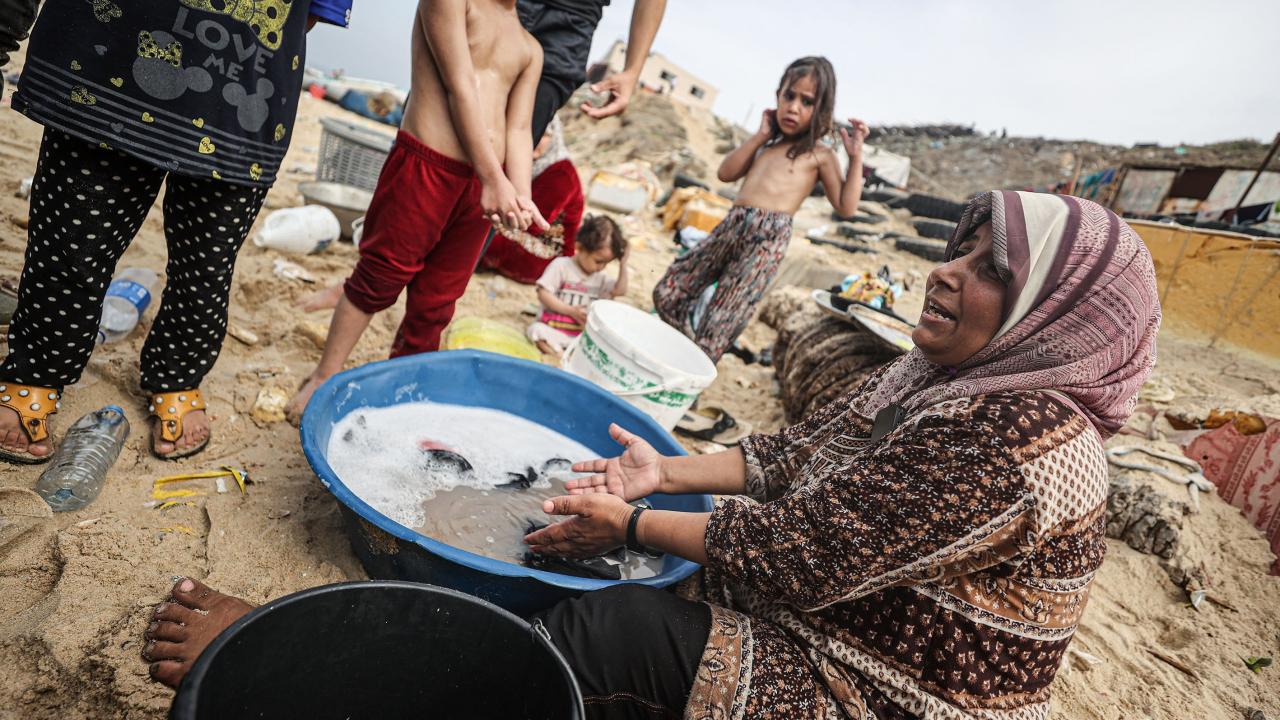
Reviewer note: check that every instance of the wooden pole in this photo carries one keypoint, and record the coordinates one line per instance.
(1113, 193)
(1075, 175)
(1275, 145)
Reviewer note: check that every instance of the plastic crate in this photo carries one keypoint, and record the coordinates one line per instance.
(351, 154)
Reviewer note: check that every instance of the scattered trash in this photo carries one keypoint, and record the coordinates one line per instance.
(688, 237)
(494, 286)
(473, 333)
(357, 230)
(270, 404)
(299, 230)
(79, 467)
(1256, 664)
(617, 193)
(1157, 390)
(244, 335)
(1082, 659)
(127, 299)
(24, 188)
(316, 332)
(278, 514)
(694, 207)
(286, 270)
(1173, 662)
(1195, 481)
(1197, 597)
(1245, 423)
(166, 497)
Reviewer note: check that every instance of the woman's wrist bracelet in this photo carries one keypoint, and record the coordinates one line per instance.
(633, 542)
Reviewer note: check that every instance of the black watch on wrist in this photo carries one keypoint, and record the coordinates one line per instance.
(633, 543)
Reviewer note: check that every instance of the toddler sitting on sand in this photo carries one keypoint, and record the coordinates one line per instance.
(570, 284)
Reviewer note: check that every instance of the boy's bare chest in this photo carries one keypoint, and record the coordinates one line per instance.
(497, 44)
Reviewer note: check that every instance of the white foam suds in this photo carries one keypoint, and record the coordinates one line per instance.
(377, 453)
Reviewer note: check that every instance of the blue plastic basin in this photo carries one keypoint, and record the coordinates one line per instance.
(545, 395)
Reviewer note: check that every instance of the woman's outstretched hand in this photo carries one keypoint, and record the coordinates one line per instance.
(598, 524)
(634, 474)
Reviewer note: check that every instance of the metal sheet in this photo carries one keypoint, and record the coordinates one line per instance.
(1227, 192)
(1143, 191)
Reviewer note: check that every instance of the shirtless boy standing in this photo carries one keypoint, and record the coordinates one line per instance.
(475, 73)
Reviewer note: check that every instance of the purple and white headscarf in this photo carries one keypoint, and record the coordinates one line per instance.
(1080, 318)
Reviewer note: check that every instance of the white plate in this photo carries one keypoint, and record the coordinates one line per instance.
(893, 334)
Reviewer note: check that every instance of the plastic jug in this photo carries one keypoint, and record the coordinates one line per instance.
(299, 230)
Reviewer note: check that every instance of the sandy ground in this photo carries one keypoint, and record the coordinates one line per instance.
(77, 589)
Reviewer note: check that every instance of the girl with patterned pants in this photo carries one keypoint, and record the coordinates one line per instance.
(781, 163)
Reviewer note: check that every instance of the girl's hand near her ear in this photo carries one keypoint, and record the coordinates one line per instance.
(766, 123)
(854, 137)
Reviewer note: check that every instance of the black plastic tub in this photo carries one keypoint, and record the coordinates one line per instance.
(379, 649)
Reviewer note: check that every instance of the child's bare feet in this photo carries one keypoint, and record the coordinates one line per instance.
(195, 430)
(14, 439)
(184, 625)
(326, 299)
(293, 411)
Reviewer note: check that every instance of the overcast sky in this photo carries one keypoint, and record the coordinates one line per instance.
(1119, 71)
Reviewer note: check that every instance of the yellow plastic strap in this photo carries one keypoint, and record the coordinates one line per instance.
(178, 528)
(227, 471)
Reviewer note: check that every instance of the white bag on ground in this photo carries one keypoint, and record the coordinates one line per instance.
(299, 230)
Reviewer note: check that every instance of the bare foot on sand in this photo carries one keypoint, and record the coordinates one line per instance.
(184, 625)
(14, 439)
(326, 299)
(293, 411)
(195, 430)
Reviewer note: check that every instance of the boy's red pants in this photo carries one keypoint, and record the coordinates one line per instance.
(424, 231)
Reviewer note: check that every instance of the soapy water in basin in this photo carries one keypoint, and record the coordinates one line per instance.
(401, 460)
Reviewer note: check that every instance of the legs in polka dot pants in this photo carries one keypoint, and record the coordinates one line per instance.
(87, 203)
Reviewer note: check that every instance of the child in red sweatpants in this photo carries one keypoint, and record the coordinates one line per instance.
(461, 161)
(423, 233)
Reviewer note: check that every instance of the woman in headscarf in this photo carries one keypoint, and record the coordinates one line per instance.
(523, 256)
(922, 547)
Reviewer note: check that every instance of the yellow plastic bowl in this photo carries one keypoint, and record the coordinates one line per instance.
(472, 333)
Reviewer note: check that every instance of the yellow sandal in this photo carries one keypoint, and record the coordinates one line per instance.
(34, 405)
(170, 409)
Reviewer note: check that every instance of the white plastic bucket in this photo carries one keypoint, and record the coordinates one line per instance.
(299, 230)
(640, 359)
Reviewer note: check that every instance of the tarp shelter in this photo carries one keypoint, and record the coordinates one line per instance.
(1226, 194)
(1216, 285)
(1142, 191)
(894, 168)
(1205, 191)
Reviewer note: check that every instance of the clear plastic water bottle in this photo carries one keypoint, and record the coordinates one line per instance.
(127, 298)
(79, 467)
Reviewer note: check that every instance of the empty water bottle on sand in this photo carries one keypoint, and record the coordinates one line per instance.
(79, 467)
(127, 298)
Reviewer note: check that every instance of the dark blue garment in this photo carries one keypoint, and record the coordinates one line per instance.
(334, 12)
(202, 88)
